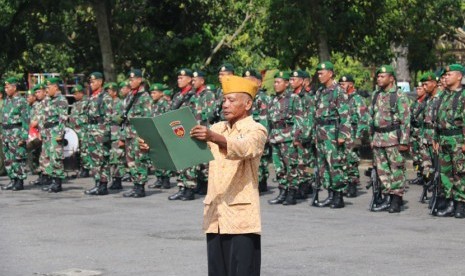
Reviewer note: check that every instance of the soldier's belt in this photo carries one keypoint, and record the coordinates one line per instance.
(95, 121)
(450, 132)
(280, 125)
(386, 129)
(11, 126)
(326, 122)
(50, 124)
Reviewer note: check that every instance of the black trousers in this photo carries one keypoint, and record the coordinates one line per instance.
(234, 255)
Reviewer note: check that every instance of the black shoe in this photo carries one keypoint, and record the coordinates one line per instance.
(127, 177)
(84, 173)
(384, 205)
(116, 184)
(10, 185)
(177, 195)
(460, 210)
(338, 201)
(417, 181)
(448, 211)
(396, 203)
(201, 188)
(54, 187)
(352, 190)
(291, 197)
(188, 194)
(263, 186)
(328, 200)
(157, 184)
(280, 198)
(136, 192)
(19, 185)
(166, 182)
(99, 189)
(39, 181)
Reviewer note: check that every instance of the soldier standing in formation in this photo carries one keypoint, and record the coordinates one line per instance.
(227, 69)
(390, 137)
(33, 145)
(15, 124)
(416, 113)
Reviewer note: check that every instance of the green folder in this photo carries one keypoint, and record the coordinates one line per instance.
(171, 147)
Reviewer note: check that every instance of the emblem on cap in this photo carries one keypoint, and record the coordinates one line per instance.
(92, 77)
(247, 73)
(223, 68)
(383, 69)
(344, 78)
(178, 128)
(323, 66)
(295, 74)
(183, 72)
(196, 74)
(281, 74)
(132, 75)
(447, 68)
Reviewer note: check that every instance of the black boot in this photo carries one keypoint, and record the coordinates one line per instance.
(263, 186)
(291, 197)
(55, 187)
(328, 200)
(136, 192)
(157, 184)
(166, 182)
(188, 194)
(127, 177)
(39, 181)
(84, 173)
(177, 195)
(384, 205)
(352, 190)
(448, 211)
(338, 201)
(116, 184)
(10, 185)
(202, 187)
(19, 185)
(280, 198)
(100, 188)
(396, 203)
(460, 209)
(418, 180)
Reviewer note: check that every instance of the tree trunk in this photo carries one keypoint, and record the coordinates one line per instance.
(400, 62)
(323, 49)
(103, 30)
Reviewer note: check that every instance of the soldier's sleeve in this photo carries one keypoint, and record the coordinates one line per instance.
(62, 115)
(309, 121)
(264, 112)
(107, 107)
(363, 117)
(146, 106)
(24, 119)
(404, 118)
(462, 97)
(344, 116)
(210, 105)
(298, 113)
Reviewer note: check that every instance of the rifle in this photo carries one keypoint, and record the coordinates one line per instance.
(435, 183)
(375, 186)
(184, 99)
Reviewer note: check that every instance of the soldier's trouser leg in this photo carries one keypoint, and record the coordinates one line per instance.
(138, 162)
(278, 165)
(353, 161)
(33, 156)
(99, 157)
(304, 176)
(332, 164)
(452, 161)
(390, 164)
(44, 160)
(2, 157)
(15, 157)
(263, 171)
(54, 150)
(117, 160)
(83, 150)
(286, 160)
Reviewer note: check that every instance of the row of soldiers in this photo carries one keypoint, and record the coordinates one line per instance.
(317, 129)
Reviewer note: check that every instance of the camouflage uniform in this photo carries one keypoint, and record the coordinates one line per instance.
(160, 107)
(416, 114)
(260, 114)
(117, 158)
(33, 153)
(78, 122)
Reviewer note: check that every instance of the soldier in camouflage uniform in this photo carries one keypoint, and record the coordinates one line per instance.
(359, 121)
(124, 90)
(159, 106)
(78, 122)
(117, 164)
(260, 114)
(450, 136)
(286, 124)
(2, 156)
(15, 124)
(167, 94)
(390, 115)
(416, 112)
(33, 146)
(99, 135)
(55, 115)
(139, 104)
(333, 134)
(227, 69)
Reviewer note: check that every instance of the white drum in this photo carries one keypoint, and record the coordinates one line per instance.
(71, 142)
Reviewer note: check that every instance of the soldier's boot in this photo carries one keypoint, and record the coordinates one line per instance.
(396, 203)
(328, 200)
(46, 180)
(338, 200)
(127, 177)
(385, 204)
(10, 185)
(448, 211)
(38, 181)
(291, 197)
(50, 182)
(19, 185)
(188, 194)
(116, 184)
(166, 182)
(263, 186)
(280, 198)
(201, 188)
(178, 194)
(460, 210)
(301, 191)
(352, 189)
(55, 187)
(418, 180)
(84, 173)
(136, 192)
(157, 184)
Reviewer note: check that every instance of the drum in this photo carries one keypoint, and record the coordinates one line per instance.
(71, 150)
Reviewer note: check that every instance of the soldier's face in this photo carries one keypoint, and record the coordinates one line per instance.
(346, 85)
(197, 82)
(325, 76)
(383, 80)
(95, 84)
(236, 106)
(40, 94)
(443, 80)
(280, 85)
(31, 99)
(124, 91)
(453, 78)
(222, 74)
(156, 95)
(52, 89)
(10, 89)
(420, 91)
(296, 82)
(78, 96)
(184, 81)
(135, 82)
(429, 86)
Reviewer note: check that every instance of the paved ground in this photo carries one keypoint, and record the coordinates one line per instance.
(73, 234)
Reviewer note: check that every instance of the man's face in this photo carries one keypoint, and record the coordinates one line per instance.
(40, 94)
(280, 85)
(296, 82)
(124, 91)
(236, 106)
(383, 80)
(156, 95)
(134, 82)
(113, 93)
(184, 81)
(78, 95)
(346, 85)
(10, 89)
(31, 99)
(453, 78)
(325, 76)
(95, 84)
(420, 91)
(429, 86)
(443, 81)
(52, 89)
(222, 74)
(197, 82)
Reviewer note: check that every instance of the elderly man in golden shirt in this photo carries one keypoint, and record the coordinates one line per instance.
(232, 209)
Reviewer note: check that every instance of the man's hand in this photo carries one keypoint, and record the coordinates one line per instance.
(436, 146)
(403, 148)
(463, 148)
(142, 145)
(20, 143)
(201, 133)
(340, 141)
(120, 144)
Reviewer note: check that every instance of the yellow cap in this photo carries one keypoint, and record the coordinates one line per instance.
(235, 84)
